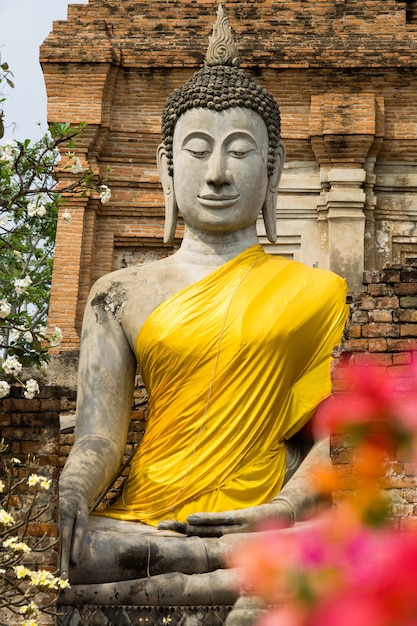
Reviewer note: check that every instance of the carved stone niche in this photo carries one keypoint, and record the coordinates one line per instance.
(346, 132)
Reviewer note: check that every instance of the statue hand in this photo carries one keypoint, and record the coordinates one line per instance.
(239, 521)
(73, 521)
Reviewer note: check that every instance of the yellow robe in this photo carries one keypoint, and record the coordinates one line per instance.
(234, 365)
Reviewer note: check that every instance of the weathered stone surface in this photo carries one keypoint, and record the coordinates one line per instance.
(93, 615)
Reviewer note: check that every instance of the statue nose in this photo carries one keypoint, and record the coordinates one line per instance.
(217, 171)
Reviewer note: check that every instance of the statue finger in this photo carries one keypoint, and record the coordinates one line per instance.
(212, 519)
(237, 528)
(212, 531)
(179, 527)
(66, 528)
(80, 529)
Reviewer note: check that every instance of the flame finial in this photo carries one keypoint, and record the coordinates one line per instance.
(221, 50)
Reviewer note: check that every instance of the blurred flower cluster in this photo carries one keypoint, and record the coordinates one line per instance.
(25, 590)
(350, 565)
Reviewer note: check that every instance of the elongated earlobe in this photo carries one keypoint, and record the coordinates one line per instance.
(270, 204)
(171, 209)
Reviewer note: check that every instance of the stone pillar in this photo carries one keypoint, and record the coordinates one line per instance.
(345, 134)
(75, 242)
(342, 223)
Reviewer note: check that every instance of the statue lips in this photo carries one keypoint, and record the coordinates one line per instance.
(218, 201)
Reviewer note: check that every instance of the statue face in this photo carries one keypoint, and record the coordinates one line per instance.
(220, 168)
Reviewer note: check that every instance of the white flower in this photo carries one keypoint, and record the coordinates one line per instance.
(45, 484)
(21, 285)
(31, 208)
(56, 337)
(8, 152)
(2, 486)
(29, 622)
(5, 518)
(17, 254)
(105, 193)
(21, 571)
(42, 578)
(7, 543)
(14, 335)
(4, 221)
(63, 583)
(28, 337)
(12, 365)
(66, 217)
(16, 545)
(16, 461)
(31, 388)
(34, 480)
(5, 308)
(36, 209)
(29, 609)
(4, 388)
(76, 167)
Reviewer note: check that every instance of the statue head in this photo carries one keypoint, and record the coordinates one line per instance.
(220, 85)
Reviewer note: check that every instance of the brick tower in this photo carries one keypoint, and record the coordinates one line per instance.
(344, 74)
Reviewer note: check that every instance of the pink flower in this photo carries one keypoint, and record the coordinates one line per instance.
(284, 616)
(349, 609)
(334, 571)
(374, 408)
(264, 563)
(371, 396)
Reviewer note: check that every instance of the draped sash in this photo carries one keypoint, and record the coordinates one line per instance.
(234, 364)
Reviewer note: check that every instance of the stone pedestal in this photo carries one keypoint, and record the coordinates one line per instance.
(95, 615)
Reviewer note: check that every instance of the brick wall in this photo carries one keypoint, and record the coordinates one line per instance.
(30, 428)
(383, 327)
(382, 332)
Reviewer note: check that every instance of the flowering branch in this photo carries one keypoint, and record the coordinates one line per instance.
(22, 587)
(29, 203)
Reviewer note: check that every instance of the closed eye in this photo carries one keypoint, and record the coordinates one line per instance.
(199, 154)
(198, 146)
(239, 154)
(240, 147)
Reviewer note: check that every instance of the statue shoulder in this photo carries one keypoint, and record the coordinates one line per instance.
(134, 279)
(129, 295)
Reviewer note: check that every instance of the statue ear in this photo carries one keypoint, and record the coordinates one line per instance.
(269, 206)
(171, 209)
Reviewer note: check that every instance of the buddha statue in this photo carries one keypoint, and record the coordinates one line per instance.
(234, 347)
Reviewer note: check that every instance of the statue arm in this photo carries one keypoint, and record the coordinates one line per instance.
(297, 499)
(105, 389)
(301, 493)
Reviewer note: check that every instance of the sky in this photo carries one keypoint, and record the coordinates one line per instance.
(24, 24)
